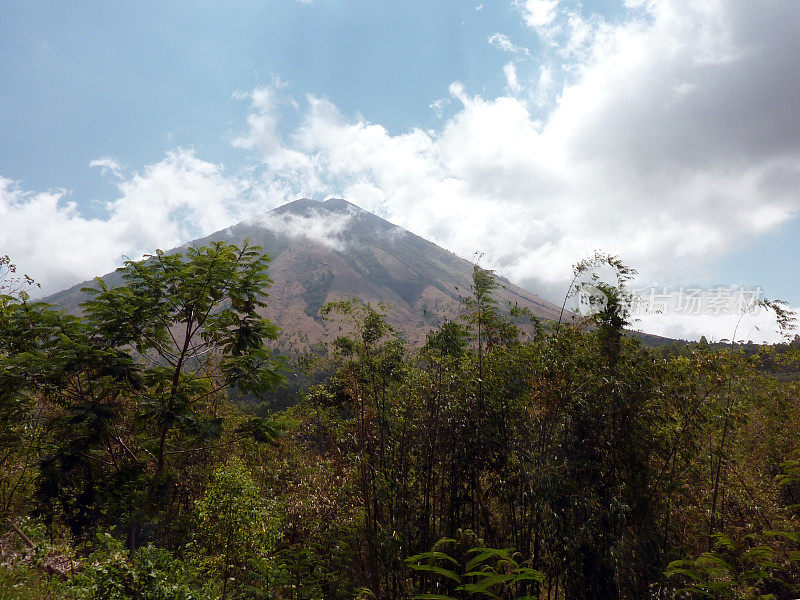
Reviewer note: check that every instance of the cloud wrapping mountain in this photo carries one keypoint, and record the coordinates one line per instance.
(324, 228)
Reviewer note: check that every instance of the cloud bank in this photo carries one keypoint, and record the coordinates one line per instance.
(673, 139)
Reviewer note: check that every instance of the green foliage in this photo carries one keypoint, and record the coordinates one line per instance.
(179, 309)
(236, 531)
(594, 269)
(368, 323)
(785, 317)
(601, 462)
(134, 387)
(736, 569)
(481, 572)
(449, 340)
(12, 284)
(482, 313)
(49, 357)
(152, 574)
(765, 564)
(27, 583)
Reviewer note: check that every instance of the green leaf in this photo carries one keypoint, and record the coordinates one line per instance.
(485, 553)
(433, 554)
(439, 570)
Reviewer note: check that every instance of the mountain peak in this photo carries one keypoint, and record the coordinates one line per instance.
(301, 206)
(306, 206)
(341, 205)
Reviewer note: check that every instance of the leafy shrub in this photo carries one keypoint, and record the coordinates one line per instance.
(478, 572)
(152, 574)
(237, 533)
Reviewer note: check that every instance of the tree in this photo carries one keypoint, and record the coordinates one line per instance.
(186, 316)
(139, 380)
(234, 526)
(366, 381)
(12, 284)
(20, 429)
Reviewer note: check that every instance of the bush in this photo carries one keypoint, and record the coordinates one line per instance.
(152, 574)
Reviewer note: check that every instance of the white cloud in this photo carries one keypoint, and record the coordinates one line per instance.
(108, 164)
(758, 327)
(510, 72)
(167, 203)
(322, 227)
(437, 106)
(47, 238)
(177, 199)
(543, 87)
(501, 41)
(262, 121)
(538, 13)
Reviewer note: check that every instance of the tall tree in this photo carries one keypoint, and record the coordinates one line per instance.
(136, 382)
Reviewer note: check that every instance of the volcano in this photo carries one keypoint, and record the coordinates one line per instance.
(322, 251)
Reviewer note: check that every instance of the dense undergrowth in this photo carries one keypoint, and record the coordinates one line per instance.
(507, 458)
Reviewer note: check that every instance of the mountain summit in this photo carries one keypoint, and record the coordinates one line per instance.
(333, 249)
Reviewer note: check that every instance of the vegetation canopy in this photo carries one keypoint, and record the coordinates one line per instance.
(507, 457)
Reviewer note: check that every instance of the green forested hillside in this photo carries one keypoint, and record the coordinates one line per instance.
(568, 463)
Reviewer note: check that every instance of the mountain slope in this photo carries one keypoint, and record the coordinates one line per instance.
(333, 249)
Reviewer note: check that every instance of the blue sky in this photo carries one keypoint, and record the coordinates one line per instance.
(92, 79)
(533, 130)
